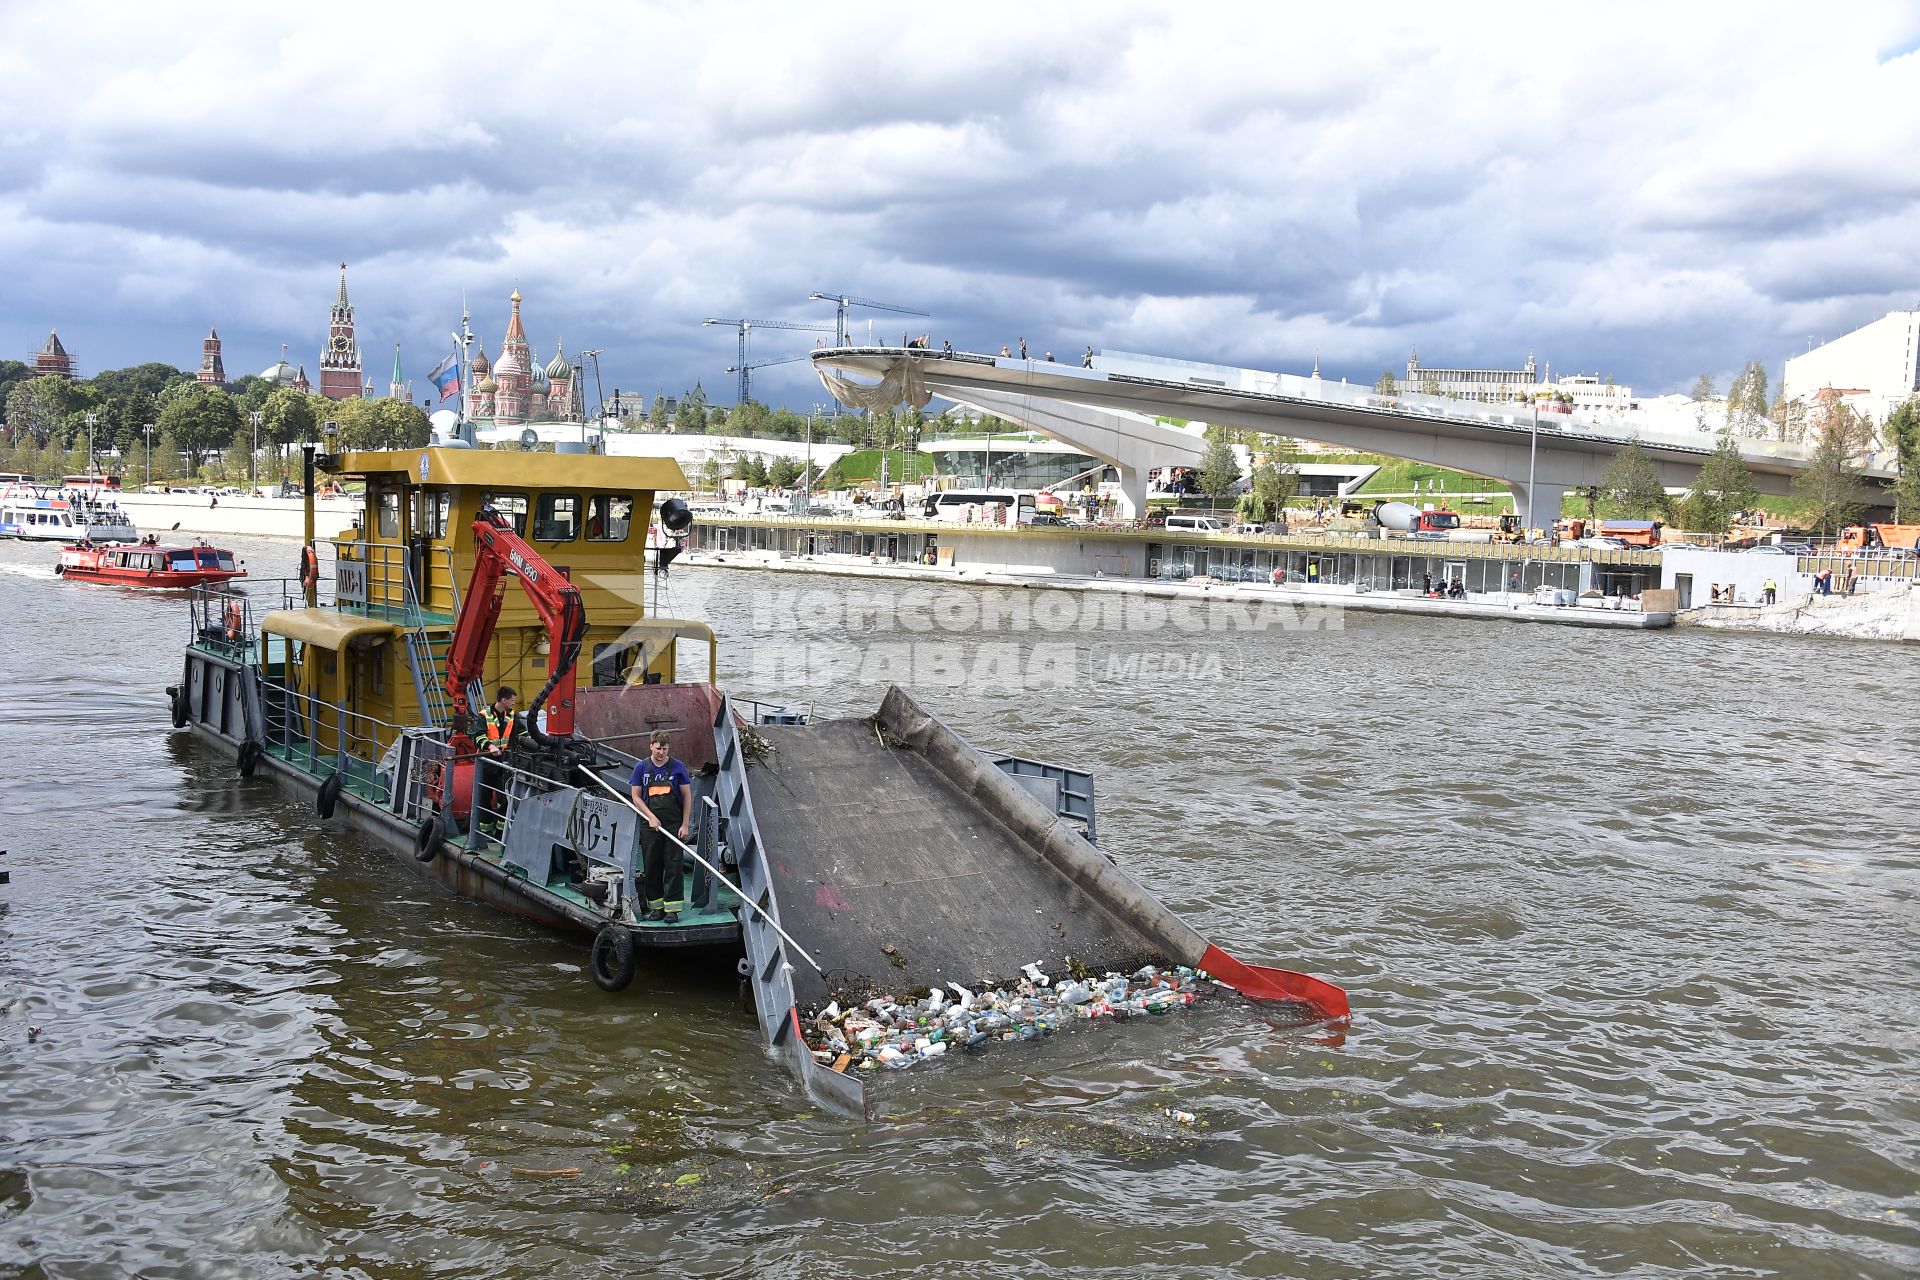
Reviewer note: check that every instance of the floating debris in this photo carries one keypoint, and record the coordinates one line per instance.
(894, 1033)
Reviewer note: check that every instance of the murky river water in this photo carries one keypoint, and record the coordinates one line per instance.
(1628, 921)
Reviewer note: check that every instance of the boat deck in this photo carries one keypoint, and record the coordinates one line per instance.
(723, 908)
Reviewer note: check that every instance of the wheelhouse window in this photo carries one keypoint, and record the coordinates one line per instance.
(557, 518)
(436, 504)
(609, 517)
(511, 505)
(387, 507)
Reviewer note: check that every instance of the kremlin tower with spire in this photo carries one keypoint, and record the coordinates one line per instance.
(213, 372)
(340, 360)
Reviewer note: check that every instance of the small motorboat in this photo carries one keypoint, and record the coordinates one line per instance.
(148, 564)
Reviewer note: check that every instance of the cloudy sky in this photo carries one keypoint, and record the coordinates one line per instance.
(1643, 192)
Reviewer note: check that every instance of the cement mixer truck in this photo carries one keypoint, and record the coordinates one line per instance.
(1407, 520)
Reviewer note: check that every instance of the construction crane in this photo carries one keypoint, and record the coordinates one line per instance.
(842, 301)
(746, 327)
(746, 369)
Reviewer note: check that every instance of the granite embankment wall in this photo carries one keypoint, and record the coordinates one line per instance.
(1890, 614)
(267, 517)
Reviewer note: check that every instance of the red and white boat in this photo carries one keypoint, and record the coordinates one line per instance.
(148, 565)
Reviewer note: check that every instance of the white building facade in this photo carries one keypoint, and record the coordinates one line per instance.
(1876, 367)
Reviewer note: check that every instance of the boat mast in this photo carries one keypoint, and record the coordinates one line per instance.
(464, 341)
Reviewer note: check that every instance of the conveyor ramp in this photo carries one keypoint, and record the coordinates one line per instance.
(897, 876)
(899, 858)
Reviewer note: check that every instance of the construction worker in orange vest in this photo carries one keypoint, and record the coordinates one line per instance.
(500, 723)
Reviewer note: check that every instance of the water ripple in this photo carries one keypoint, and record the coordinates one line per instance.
(1628, 939)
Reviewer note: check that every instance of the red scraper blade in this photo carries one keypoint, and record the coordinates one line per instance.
(1258, 982)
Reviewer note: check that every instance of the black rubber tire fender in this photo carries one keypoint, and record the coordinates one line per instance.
(612, 959)
(59, 570)
(427, 837)
(328, 796)
(249, 758)
(177, 697)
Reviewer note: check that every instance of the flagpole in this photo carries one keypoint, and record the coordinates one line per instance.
(463, 341)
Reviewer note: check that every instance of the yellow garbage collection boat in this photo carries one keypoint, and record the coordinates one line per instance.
(363, 683)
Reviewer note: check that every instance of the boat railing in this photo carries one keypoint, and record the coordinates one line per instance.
(392, 581)
(222, 619)
(322, 738)
(269, 594)
(399, 767)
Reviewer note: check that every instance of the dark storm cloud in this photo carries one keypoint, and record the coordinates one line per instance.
(1257, 189)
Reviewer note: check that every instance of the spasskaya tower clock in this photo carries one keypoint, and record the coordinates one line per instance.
(340, 361)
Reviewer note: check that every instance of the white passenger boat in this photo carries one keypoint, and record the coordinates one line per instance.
(49, 514)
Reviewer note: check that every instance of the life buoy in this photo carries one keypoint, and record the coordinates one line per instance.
(177, 700)
(612, 960)
(249, 758)
(328, 796)
(309, 568)
(236, 621)
(426, 840)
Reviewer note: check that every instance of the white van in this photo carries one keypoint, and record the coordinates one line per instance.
(1192, 524)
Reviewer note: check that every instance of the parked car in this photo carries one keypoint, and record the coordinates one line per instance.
(1602, 544)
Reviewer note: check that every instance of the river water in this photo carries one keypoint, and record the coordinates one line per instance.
(1628, 922)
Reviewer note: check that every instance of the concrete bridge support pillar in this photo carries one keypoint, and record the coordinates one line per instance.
(1133, 494)
(1547, 494)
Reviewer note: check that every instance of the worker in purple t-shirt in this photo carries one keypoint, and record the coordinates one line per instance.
(663, 793)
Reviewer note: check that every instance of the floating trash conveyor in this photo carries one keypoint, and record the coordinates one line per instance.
(895, 857)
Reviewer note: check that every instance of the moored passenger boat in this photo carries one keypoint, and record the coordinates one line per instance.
(44, 514)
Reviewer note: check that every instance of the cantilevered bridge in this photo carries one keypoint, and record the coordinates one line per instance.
(1109, 412)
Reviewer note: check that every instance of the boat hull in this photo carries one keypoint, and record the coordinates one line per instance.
(137, 578)
(217, 712)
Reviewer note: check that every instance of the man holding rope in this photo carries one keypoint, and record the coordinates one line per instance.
(663, 794)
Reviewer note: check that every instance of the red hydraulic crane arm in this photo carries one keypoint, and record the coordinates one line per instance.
(498, 551)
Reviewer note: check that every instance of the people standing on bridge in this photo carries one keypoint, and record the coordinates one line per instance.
(1769, 590)
(663, 793)
(1023, 348)
(1005, 350)
(1086, 361)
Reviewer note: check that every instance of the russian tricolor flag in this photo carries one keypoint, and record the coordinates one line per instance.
(446, 376)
